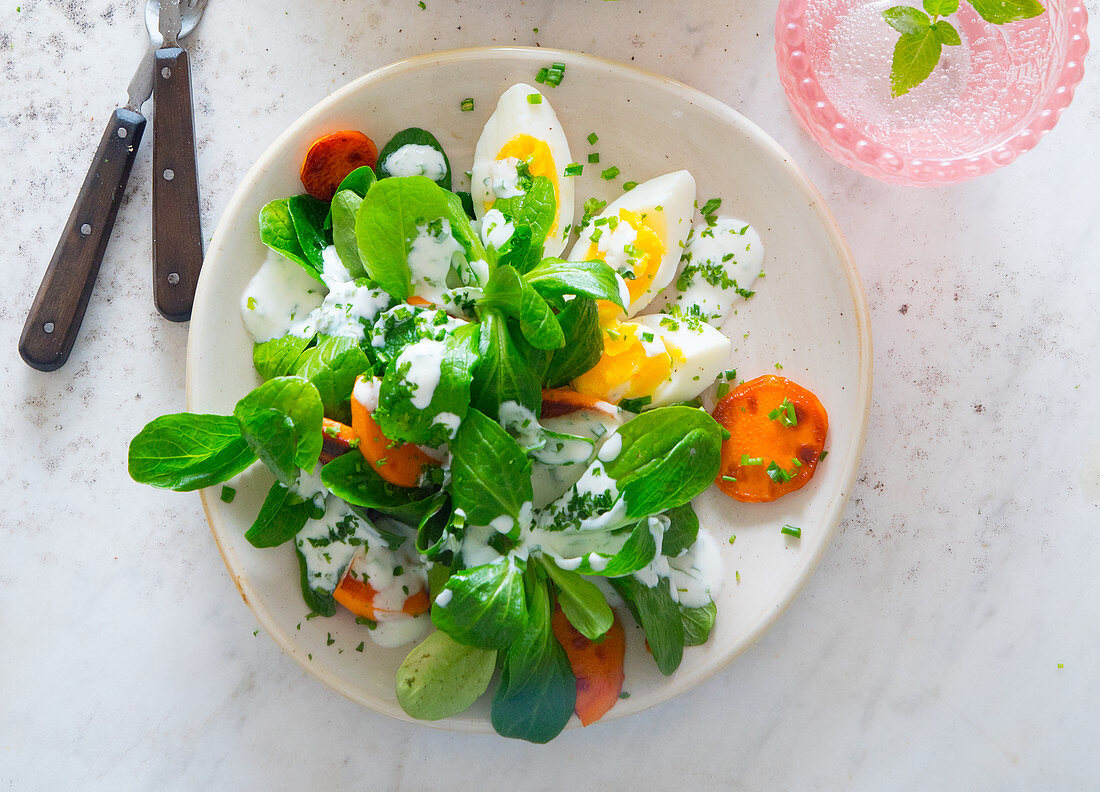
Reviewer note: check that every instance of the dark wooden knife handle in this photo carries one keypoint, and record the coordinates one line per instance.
(177, 231)
(59, 306)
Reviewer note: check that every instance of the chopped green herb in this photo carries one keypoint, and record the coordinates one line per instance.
(573, 169)
(784, 413)
(823, 455)
(630, 185)
(359, 648)
(330, 640)
(467, 105)
(711, 206)
(534, 98)
(791, 530)
(610, 173)
(625, 695)
(228, 494)
(778, 474)
(733, 538)
(594, 158)
(747, 460)
(592, 138)
(728, 478)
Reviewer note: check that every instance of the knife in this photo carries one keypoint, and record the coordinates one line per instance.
(58, 308)
(177, 230)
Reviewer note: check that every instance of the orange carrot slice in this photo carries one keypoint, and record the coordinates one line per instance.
(775, 425)
(331, 158)
(358, 597)
(598, 667)
(399, 464)
(417, 300)
(336, 439)
(562, 401)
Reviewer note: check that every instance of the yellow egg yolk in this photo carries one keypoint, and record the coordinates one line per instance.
(626, 370)
(645, 256)
(540, 162)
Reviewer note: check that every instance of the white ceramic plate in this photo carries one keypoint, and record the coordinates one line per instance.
(808, 316)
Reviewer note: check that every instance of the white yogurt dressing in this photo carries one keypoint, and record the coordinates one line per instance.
(414, 159)
(279, 300)
(612, 246)
(719, 264)
(495, 228)
(503, 178)
(572, 441)
(430, 259)
(424, 361)
(329, 544)
(697, 574)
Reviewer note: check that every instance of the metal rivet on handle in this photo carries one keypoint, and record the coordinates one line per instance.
(173, 278)
(47, 328)
(166, 72)
(85, 229)
(169, 174)
(122, 132)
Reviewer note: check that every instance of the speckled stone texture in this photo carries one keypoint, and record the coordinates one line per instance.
(949, 640)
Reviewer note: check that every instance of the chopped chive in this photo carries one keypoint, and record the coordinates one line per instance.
(594, 157)
(711, 206)
(467, 104)
(625, 695)
(574, 169)
(635, 405)
(792, 530)
(778, 474)
(647, 337)
(733, 538)
(330, 640)
(823, 455)
(630, 185)
(747, 460)
(359, 648)
(610, 173)
(592, 138)
(228, 494)
(541, 76)
(728, 478)
(723, 389)
(559, 66)
(534, 98)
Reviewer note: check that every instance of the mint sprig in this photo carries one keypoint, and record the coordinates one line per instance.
(924, 34)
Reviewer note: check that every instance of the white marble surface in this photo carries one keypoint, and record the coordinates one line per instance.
(949, 640)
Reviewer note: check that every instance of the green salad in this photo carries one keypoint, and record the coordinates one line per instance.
(433, 466)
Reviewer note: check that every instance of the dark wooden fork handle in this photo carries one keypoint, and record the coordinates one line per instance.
(62, 299)
(177, 232)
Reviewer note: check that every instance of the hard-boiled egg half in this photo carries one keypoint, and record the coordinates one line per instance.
(641, 236)
(523, 137)
(668, 358)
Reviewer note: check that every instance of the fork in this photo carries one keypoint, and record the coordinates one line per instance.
(177, 226)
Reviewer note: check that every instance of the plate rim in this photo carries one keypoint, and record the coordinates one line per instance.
(680, 683)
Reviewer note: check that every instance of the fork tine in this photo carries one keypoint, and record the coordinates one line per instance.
(198, 5)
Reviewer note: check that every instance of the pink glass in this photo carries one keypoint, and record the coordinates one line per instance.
(988, 101)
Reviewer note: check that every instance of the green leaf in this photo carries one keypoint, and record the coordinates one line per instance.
(1001, 12)
(535, 208)
(682, 531)
(698, 622)
(188, 451)
(668, 456)
(441, 677)
(308, 217)
(582, 602)
(940, 8)
(414, 136)
(537, 692)
(580, 324)
(278, 357)
(351, 478)
(271, 436)
(490, 473)
(322, 354)
(507, 292)
(318, 601)
(486, 607)
(297, 399)
(637, 551)
(397, 413)
(278, 233)
(502, 372)
(659, 616)
(336, 381)
(281, 516)
(521, 251)
(358, 181)
(907, 20)
(554, 278)
(345, 208)
(915, 56)
(947, 33)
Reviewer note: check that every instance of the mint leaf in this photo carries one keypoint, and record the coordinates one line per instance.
(907, 20)
(1000, 12)
(939, 8)
(946, 33)
(915, 56)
